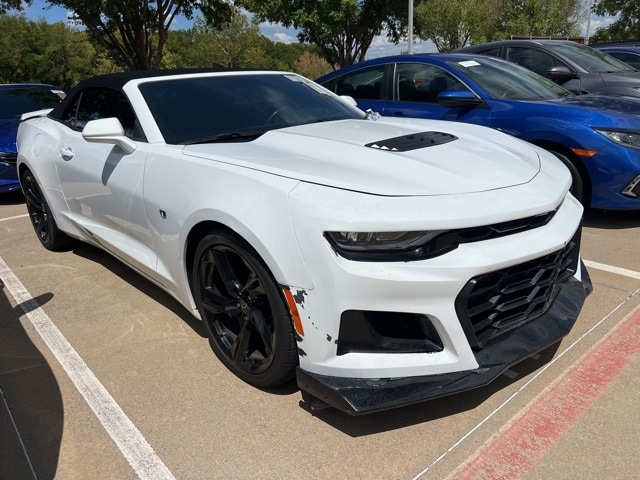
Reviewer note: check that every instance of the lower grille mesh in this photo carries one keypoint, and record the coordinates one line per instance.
(499, 301)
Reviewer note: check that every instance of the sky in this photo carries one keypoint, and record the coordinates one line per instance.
(379, 47)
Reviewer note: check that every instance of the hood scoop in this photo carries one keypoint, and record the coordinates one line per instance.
(413, 141)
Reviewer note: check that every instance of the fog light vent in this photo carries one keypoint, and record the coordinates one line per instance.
(386, 332)
(633, 189)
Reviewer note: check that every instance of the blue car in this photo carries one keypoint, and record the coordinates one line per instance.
(597, 136)
(16, 99)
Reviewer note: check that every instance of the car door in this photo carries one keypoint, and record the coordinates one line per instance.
(415, 95)
(101, 183)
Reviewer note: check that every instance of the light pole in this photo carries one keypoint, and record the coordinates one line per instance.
(410, 34)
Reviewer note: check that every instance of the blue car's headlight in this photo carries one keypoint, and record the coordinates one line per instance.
(625, 137)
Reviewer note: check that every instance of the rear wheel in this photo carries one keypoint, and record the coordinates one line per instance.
(51, 237)
(243, 311)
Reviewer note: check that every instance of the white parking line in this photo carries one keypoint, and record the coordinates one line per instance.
(18, 436)
(140, 455)
(13, 218)
(612, 269)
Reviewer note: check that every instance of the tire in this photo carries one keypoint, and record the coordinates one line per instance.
(47, 231)
(578, 187)
(243, 311)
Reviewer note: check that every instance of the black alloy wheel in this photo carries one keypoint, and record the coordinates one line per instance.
(51, 237)
(243, 311)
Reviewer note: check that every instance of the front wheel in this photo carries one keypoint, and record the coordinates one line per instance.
(579, 188)
(243, 311)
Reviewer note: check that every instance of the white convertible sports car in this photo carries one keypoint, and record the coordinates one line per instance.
(381, 262)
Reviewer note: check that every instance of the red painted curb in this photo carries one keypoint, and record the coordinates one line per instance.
(524, 444)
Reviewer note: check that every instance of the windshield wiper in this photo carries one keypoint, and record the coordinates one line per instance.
(226, 136)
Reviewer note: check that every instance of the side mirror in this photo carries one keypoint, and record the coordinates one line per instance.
(458, 99)
(109, 131)
(349, 99)
(559, 73)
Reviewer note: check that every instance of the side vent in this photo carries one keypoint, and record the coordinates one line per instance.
(414, 141)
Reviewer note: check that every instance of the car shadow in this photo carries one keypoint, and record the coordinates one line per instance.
(31, 407)
(12, 198)
(140, 283)
(612, 219)
(432, 409)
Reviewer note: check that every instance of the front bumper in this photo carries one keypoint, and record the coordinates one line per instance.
(356, 396)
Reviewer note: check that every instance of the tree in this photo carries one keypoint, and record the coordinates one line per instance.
(627, 25)
(311, 65)
(135, 32)
(342, 29)
(43, 53)
(11, 5)
(233, 44)
(450, 25)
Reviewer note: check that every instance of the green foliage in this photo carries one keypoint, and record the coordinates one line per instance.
(451, 25)
(134, 33)
(627, 25)
(235, 44)
(43, 53)
(537, 18)
(342, 29)
(11, 5)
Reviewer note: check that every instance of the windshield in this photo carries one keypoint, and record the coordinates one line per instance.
(16, 101)
(592, 60)
(506, 80)
(238, 107)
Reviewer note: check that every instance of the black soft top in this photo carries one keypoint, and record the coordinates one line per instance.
(117, 80)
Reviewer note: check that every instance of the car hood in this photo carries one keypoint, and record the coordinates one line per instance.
(336, 154)
(614, 103)
(630, 79)
(8, 131)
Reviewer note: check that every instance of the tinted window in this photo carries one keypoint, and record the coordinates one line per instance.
(628, 58)
(419, 82)
(205, 109)
(365, 84)
(536, 60)
(508, 81)
(97, 103)
(592, 60)
(16, 101)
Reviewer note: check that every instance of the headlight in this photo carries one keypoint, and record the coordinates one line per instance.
(387, 246)
(627, 138)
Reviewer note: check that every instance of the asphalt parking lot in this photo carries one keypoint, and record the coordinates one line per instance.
(102, 375)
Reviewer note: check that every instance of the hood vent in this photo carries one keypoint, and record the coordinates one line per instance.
(414, 141)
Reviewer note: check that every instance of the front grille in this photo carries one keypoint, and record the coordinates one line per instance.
(497, 302)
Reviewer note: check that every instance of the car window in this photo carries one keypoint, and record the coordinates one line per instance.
(224, 107)
(492, 52)
(506, 80)
(536, 60)
(592, 60)
(16, 101)
(418, 82)
(97, 103)
(365, 83)
(628, 58)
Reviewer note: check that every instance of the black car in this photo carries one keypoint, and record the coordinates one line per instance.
(576, 67)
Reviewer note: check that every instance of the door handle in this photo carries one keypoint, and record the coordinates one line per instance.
(66, 153)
